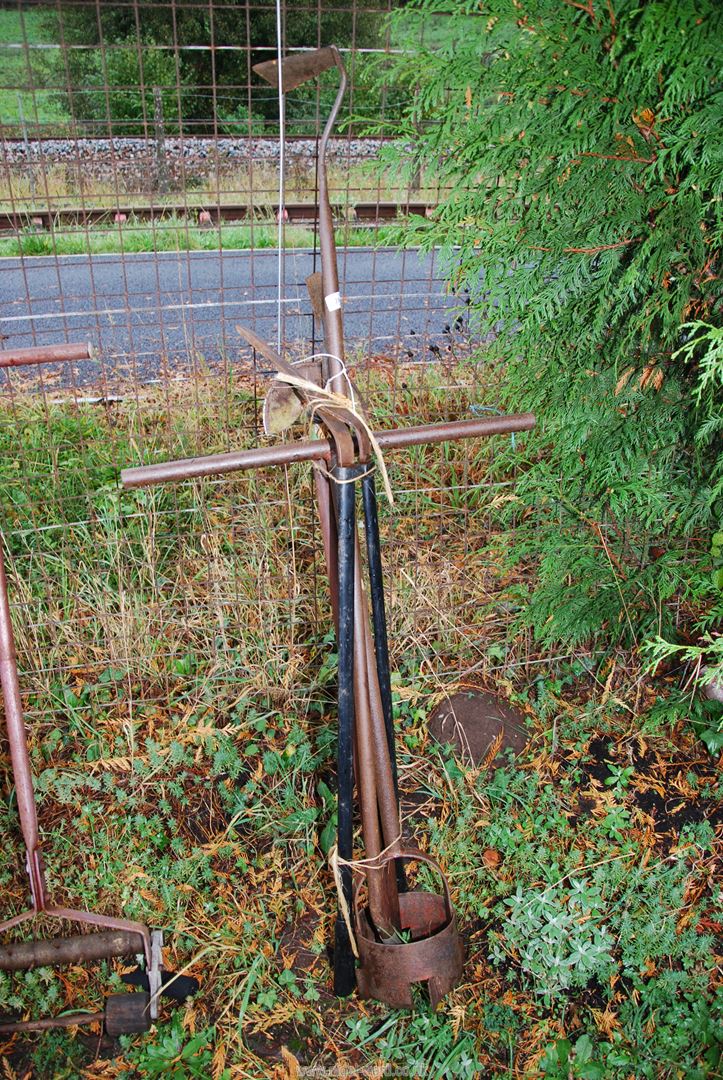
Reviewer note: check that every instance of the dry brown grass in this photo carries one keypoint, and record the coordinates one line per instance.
(59, 185)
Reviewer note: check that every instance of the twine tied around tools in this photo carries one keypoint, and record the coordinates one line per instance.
(342, 373)
(319, 398)
(372, 863)
(335, 479)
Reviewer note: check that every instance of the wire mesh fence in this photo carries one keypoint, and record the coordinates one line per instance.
(139, 208)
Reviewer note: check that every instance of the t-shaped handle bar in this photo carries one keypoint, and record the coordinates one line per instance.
(319, 449)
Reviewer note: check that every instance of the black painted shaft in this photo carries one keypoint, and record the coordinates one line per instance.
(344, 966)
(379, 621)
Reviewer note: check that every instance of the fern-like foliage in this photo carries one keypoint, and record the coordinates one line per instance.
(580, 143)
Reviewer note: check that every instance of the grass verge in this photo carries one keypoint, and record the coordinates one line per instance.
(173, 234)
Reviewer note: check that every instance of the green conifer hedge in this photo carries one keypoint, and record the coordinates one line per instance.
(582, 144)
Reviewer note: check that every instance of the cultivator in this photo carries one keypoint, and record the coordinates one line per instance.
(111, 937)
(388, 938)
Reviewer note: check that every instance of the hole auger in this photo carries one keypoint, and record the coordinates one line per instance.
(111, 937)
(387, 938)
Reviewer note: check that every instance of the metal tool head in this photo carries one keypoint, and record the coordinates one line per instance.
(299, 68)
(433, 956)
(283, 404)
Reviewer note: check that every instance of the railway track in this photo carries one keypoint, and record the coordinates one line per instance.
(15, 221)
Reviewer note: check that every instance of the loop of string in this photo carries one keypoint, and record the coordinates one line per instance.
(320, 465)
(341, 899)
(342, 373)
(318, 399)
(373, 863)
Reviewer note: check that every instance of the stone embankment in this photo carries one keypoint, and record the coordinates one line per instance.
(181, 161)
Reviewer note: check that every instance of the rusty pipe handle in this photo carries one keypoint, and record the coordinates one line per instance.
(317, 449)
(50, 952)
(333, 319)
(46, 354)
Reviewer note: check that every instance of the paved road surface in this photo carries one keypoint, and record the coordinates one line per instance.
(138, 309)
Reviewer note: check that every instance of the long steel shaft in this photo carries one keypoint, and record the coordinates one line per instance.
(379, 620)
(18, 743)
(344, 976)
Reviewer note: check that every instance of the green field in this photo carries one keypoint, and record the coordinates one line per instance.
(173, 235)
(26, 75)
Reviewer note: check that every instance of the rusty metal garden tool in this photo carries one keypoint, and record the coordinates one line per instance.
(359, 702)
(399, 937)
(327, 306)
(324, 287)
(402, 938)
(116, 937)
(372, 689)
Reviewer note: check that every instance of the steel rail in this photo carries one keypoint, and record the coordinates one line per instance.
(117, 215)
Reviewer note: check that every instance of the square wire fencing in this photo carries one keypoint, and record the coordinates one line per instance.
(141, 210)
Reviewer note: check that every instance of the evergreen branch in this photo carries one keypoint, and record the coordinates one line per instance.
(615, 157)
(587, 8)
(565, 318)
(590, 250)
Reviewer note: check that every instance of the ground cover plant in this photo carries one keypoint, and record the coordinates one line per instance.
(179, 681)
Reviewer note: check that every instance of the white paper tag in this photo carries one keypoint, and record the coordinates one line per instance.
(333, 301)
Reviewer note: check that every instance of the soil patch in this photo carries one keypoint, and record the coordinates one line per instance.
(480, 726)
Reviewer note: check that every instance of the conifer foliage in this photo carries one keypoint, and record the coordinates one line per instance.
(582, 145)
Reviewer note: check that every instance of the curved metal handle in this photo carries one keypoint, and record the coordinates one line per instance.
(415, 855)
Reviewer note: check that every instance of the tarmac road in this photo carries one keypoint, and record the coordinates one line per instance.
(140, 311)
